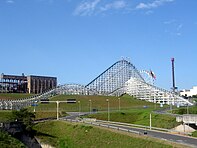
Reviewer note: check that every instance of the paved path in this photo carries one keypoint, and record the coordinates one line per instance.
(152, 133)
(157, 134)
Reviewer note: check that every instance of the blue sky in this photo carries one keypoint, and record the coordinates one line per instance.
(76, 40)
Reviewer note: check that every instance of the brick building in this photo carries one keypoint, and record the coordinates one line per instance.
(26, 84)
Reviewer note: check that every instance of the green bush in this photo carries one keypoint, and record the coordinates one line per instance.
(24, 116)
(7, 141)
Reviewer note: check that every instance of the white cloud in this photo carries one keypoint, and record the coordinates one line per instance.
(170, 22)
(149, 12)
(119, 4)
(173, 27)
(86, 8)
(179, 27)
(10, 1)
(152, 5)
(92, 7)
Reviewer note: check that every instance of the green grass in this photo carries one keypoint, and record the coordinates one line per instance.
(194, 134)
(67, 135)
(141, 117)
(14, 96)
(183, 110)
(5, 115)
(98, 102)
(7, 141)
(132, 110)
(49, 114)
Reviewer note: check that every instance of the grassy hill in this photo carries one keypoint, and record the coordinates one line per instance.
(13, 96)
(97, 102)
(140, 117)
(183, 110)
(63, 134)
(132, 110)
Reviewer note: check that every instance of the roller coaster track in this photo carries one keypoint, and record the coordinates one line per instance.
(122, 77)
(114, 77)
(151, 93)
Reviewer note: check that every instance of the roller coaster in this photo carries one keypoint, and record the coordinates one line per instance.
(120, 78)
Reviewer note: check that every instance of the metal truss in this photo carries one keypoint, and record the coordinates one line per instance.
(122, 77)
(68, 89)
(75, 89)
(151, 93)
(114, 78)
(24, 102)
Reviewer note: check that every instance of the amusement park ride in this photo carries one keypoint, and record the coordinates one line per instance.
(120, 78)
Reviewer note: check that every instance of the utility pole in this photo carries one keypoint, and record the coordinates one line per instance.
(79, 107)
(150, 122)
(90, 101)
(119, 104)
(108, 112)
(187, 108)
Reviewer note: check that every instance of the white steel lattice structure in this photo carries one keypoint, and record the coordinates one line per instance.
(112, 80)
(122, 77)
(145, 91)
(146, 75)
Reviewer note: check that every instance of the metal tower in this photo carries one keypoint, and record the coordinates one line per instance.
(174, 88)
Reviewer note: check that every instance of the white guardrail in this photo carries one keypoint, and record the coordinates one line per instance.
(103, 123)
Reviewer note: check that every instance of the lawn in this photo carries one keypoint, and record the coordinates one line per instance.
(131, 110)
(14, 96)
(141, 117)
(74, 135)
(185, 110)
(194, 134)
(97, 102)
(5, 115)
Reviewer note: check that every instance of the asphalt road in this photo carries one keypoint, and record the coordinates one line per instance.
(161, 135)
(152, 133)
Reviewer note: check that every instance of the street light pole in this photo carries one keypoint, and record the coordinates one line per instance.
(150, 122)
(57, 110)
(170, 102)
(187, 108)
(35, 103)
(119, 104)
(79, 107)
(34, 108)
(90, 101)
(108, 117)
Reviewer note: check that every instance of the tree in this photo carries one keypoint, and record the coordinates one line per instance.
(194, 96)
(24, 116)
